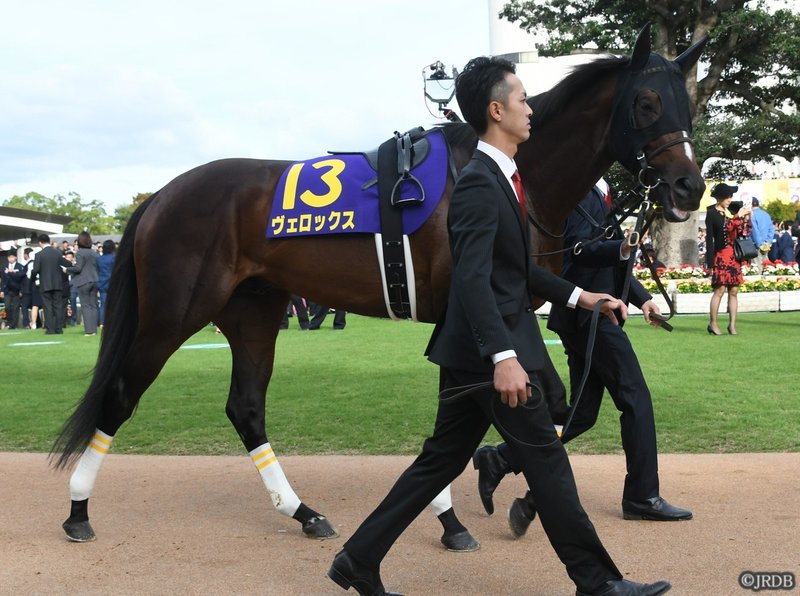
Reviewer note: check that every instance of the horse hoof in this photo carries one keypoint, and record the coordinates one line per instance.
(79, 531)
(320, 528)
(463, 542)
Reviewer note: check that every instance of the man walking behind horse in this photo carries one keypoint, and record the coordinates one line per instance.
(489, 335)
(601, 267)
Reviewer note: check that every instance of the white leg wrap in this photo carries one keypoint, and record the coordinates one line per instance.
(283, 497)
(442, 502)
(83, 478)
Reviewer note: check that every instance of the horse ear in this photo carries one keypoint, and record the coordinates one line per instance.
(641, 49)
(690, 56)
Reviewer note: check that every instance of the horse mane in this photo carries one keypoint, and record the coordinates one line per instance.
(581, 78)
(459, 134)
(545, 105)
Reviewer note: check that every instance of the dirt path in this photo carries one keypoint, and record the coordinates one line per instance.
(204, 525)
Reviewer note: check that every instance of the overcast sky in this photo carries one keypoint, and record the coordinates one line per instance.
(109, 99)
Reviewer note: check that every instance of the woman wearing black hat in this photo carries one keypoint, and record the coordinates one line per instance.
(722, 229)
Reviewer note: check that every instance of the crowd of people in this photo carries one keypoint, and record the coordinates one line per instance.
(54, 285)
(726, 222)
(310, 315)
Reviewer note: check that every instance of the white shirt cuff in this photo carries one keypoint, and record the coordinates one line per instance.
(504, 355)
(573, 299)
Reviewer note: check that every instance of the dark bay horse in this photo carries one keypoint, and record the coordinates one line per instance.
(201, 241)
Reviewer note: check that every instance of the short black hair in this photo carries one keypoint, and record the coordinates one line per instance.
(481, 82)
(44, 238)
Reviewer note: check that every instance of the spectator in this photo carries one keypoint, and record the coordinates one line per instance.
(105, 264)
(783, 247)
(762, 234)
(30, 308)
(13, 274)
(318, 314)
(298, 305)
(701, 246)
(47, 271)
(85, 280)
(72, 304)
(722, 229)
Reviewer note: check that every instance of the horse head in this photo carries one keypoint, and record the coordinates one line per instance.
(651, 125)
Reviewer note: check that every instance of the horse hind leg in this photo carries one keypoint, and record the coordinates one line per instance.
(250, 321)
(143, 363)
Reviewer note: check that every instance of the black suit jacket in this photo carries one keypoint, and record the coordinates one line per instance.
(489, 304)
(47, 266)
(597, 268)
(12, 281)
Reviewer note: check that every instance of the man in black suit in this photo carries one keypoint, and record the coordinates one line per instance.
(47, 267)
(13, 274)
(489, 334)
(600, 267)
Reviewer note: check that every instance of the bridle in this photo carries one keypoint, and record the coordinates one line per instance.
(642, 160)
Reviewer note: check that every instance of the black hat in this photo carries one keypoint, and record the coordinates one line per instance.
(723, 191)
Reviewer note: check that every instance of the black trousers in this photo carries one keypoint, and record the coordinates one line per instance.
(318, 314)
(614, 367)
(53, 310)
(301, 310)
(460, 426)
(12, 309)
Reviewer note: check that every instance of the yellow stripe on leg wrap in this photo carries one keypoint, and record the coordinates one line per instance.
(264, 458)
(280, 491)
(83, 478)
(100, 442)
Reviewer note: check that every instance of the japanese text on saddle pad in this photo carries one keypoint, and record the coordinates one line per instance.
(337, 194)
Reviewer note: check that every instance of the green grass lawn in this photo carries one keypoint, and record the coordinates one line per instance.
(369, 390)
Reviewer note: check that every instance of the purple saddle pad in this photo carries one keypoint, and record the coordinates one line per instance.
(332, 194)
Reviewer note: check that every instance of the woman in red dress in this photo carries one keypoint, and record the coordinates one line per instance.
(722, 230)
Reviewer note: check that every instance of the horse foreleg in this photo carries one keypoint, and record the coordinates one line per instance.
(250, 321)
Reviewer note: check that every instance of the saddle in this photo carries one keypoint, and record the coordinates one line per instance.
(411, 148)
(393, 161)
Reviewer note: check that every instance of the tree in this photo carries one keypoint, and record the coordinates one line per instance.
(85, 214)
(123, 213)
(746, 101)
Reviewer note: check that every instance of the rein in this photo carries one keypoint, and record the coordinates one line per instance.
(455, 393)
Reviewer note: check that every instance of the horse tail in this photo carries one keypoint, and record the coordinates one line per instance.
(117, 337)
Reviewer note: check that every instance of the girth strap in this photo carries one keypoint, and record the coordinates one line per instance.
(394, 260)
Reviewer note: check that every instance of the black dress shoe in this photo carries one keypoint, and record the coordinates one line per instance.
(624, 587)
(521, 514)
(491, 468)
(346, 572)
(655, 509)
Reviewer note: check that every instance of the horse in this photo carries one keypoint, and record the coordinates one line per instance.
(202, 241)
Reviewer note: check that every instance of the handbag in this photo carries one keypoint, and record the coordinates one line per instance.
(744, 249)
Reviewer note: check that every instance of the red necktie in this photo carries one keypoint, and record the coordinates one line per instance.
(515, 178)
(608, 198)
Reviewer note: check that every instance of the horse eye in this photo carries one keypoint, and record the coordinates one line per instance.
(646, 109)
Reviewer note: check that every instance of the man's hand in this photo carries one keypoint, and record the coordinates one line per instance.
(511, 382)
(649, 308)
(587, 300)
